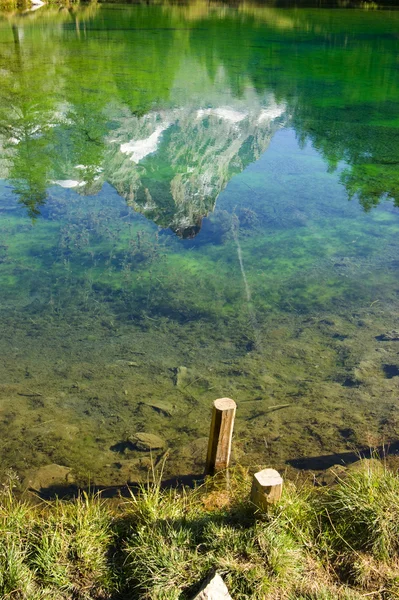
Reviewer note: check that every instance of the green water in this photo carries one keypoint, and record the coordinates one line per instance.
(197, 186)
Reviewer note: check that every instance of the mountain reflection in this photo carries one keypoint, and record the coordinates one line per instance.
(181, 99)
(174, 163)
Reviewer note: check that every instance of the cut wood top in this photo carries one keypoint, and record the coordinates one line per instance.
(268, 477)
(224, 404)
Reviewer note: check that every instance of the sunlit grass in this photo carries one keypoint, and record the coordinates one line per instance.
(339, 542)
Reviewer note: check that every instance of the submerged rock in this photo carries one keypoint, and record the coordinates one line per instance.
(366, 370)
(335, 474)
(147, 441)
(131, 470)
(162, 407)
(213, 589)
(181, 376)
(49, 476)
(268, 380)
(390, 336)
(195, 452)
(367, 465)
(332, 476)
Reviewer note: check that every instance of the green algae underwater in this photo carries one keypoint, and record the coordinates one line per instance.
(196, 201)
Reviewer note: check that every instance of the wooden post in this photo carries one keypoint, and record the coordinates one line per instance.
(267, 486)
(219, 445)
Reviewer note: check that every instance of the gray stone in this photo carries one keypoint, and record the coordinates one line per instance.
(213, 588)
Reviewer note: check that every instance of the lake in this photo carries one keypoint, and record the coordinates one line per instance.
(197, 201)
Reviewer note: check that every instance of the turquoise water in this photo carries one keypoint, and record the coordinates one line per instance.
(197, 201)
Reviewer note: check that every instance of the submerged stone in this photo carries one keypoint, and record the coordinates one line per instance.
(339, 472)
(195, 452)
(389, 336)
(49, 476)
(164, 408)
(147, 441)
(181, 376)
(367, 465)
(131, 470)
(366, 370)
(268, 380)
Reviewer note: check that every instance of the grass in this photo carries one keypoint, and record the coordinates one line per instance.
(319, 543)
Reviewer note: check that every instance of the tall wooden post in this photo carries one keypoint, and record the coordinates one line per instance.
(219, 445)
(267, 487)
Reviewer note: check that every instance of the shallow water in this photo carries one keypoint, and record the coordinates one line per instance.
(207, 187)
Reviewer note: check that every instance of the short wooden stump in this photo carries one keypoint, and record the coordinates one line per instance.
(267, 487)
